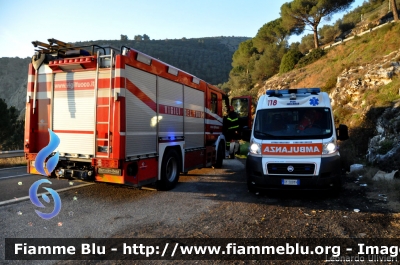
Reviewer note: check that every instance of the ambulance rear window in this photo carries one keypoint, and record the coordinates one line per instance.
(293, 123)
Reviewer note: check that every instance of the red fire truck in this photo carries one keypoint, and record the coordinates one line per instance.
(121, 116)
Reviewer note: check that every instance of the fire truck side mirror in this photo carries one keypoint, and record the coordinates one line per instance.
(342, 132)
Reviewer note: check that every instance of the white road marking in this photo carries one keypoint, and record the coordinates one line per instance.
(14, 176)
(10, 168)
(47, 193)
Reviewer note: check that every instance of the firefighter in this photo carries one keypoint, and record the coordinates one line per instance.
(231, 124)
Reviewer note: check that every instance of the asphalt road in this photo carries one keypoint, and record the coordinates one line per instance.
(15, 184)
(103, 210)
(207, 203)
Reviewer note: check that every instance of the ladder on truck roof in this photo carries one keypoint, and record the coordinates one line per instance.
(100, 59)
(54, 46)
(62, 49)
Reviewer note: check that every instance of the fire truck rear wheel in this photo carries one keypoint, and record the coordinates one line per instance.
(169, 170)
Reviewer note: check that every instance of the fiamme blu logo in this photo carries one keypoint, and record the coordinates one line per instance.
(45, 168)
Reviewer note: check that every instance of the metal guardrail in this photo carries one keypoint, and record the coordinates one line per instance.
(359, 34)
(7, 154)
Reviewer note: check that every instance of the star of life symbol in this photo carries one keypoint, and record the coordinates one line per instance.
(314, 101)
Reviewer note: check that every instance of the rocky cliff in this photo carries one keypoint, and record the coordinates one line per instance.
(13, 81)
(350, 92)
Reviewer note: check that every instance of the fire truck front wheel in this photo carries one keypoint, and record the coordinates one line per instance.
(169, 170)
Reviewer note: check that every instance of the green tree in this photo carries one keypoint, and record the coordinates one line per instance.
(313, 56)
(11, 130)
(15, 141)
(258, 59)
(307, 43)
(268, 63)
(328, 33)
(239, 77)
(242, 63)
(242, 55)
(138, 38)
(271, 32)
(301, 13)
(394, 10)
(124, 37)
(294, 46)
(289, 60)
(146, 37)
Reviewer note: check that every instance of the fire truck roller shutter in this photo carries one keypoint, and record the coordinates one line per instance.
(194, 117)
(73, 112)
(141, 119)
(170, 99)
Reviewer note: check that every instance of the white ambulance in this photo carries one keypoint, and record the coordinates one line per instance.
(293, 144)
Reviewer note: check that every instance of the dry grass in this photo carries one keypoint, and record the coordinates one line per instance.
(12, 162)
(362, 50)
(389, 187)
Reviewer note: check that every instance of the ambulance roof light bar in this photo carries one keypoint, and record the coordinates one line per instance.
(278, 93)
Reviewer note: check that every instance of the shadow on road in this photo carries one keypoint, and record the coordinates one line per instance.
(229, 184)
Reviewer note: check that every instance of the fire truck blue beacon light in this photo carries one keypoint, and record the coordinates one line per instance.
(35, 200)
(45, 152)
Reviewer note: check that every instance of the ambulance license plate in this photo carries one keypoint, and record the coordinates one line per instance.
(294, 182)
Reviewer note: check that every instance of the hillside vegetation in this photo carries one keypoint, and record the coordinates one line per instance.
(269, 52)
(361, 75)
(207, 58)
(361, 51)
(13, 81)
(362, 78)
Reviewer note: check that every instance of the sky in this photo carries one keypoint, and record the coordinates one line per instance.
(24, 21)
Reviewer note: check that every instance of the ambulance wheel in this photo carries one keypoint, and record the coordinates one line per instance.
(169, 170)
(337, 188)
(220, 155)
(250, 187)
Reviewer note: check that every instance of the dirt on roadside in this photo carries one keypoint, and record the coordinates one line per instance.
(358, 212)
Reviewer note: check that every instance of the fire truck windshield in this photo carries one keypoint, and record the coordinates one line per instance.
(293, 123)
